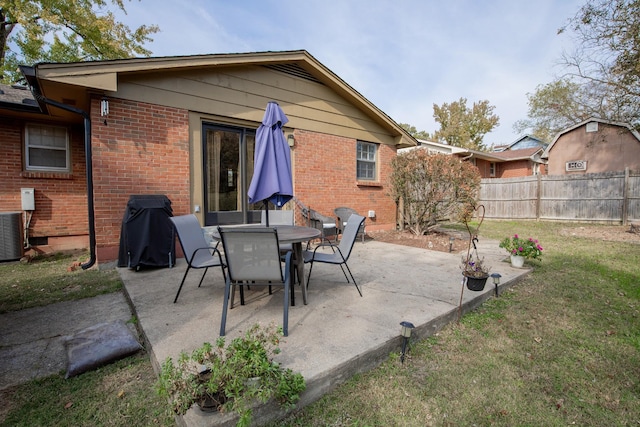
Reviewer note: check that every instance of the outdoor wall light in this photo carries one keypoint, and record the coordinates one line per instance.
(405, 331)
(291, 140)
(496, 280)
(451, 240)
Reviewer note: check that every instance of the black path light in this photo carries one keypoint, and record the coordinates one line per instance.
(496, 280)
(451, 240)
(407, 328)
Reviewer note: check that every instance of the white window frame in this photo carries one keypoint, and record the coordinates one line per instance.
(492, 169)
(366, 155)
(30, 132)
(592, 127)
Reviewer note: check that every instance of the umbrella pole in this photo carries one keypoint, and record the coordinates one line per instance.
(266, 211)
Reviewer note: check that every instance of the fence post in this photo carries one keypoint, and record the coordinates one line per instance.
(538, 197)
(625, 197)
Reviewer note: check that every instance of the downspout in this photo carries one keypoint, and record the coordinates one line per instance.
(89, 172)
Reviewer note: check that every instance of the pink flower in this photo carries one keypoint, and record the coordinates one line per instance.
(515, 236)
(521, 249)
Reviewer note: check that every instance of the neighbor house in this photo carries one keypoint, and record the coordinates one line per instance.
(185, 127)
(509, 163)
(593, 146)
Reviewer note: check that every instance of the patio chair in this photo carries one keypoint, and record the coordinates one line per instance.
(343, 215)
(325, 224)
(340, 253)
(279, 217)
(197, 251)
(253, 256)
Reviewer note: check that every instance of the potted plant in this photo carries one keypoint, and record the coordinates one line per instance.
(231, 378)
(520, 248)
(475, 271)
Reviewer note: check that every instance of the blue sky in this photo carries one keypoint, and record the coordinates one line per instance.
(402, 55)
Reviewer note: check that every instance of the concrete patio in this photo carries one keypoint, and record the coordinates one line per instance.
(337, 334)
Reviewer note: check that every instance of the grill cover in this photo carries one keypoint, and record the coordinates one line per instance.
(147, 237)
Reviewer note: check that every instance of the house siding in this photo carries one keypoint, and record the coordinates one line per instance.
(60, 198)
(142, 149)
(610, 149)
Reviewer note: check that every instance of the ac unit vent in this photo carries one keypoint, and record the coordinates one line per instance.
(10, 236)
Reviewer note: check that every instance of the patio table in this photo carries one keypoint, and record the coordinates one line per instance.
(293, 234)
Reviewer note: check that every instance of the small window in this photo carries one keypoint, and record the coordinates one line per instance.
(366, 161)
(592, 127)
(492, 169)
(46, 148)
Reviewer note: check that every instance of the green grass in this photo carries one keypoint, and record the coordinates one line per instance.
(47, 280)
(562, 347)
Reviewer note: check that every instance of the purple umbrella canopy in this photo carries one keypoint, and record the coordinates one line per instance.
(272, 160)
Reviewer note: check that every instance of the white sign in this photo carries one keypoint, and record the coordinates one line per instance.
(576, 165)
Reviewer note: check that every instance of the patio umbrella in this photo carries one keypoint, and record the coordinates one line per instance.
(271, 181)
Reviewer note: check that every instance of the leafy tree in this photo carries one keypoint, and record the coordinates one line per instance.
(414, 132)
(463, 126)
(554, 107)
(602, 73)
(65, 31)
(433, 187)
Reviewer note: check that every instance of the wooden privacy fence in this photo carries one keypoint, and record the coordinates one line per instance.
(604, 197)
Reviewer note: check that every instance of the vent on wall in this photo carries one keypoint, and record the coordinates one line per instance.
(10, 236)
(293, 70)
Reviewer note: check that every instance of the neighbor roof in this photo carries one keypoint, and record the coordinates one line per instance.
(635, 133)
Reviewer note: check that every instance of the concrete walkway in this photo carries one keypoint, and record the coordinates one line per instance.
(337, 334)
(32, 340)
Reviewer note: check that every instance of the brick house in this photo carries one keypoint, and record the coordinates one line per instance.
(184, 127)
(594, 146)
(519, 159)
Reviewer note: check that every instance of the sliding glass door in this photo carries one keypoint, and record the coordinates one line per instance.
(228, 168)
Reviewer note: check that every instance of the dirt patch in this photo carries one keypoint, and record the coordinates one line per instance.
(439, 240)
(615, 233)
(436, 241)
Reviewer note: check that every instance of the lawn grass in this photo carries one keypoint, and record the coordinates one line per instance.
(51, 279)
(562, 347)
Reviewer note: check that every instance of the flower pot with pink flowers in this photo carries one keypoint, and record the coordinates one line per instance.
(521, 248)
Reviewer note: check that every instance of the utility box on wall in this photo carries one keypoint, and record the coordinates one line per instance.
(28, 199)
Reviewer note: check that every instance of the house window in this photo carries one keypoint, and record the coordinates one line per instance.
(46, 148)
(592, 127)
(366, 160)
(492, 169)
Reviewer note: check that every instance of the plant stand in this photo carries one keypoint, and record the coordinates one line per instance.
(473, 238)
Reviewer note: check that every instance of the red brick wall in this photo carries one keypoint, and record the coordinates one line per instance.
(324, 168)
(514, 169)
(142, 149)
(60, 198)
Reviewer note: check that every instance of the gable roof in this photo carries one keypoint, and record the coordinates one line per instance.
(57, 80)
(635, 133)
(533, 139)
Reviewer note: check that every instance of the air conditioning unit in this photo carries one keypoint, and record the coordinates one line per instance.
(10, 236)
